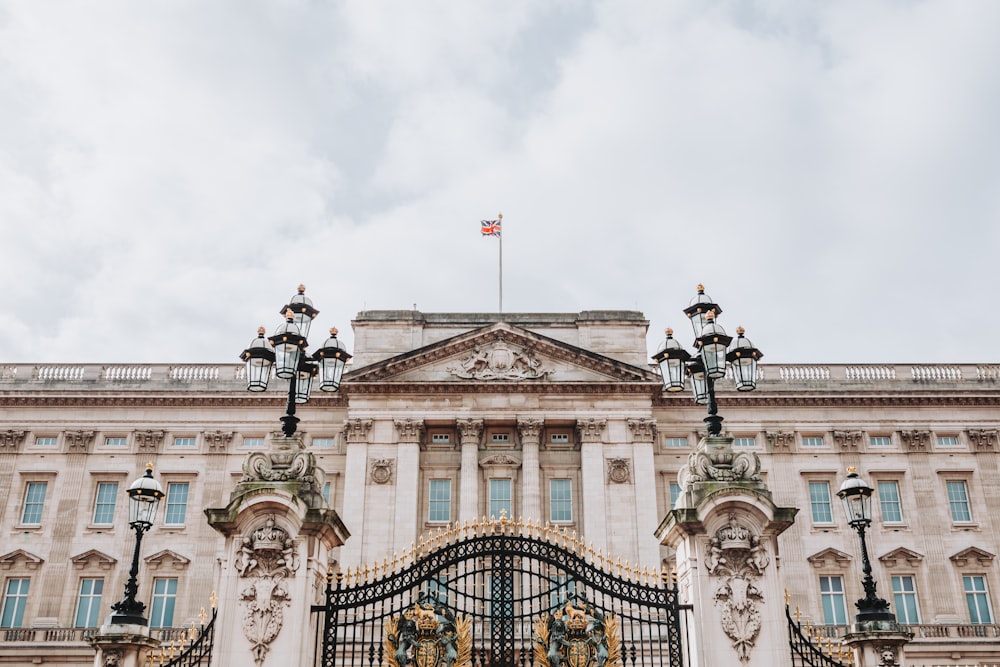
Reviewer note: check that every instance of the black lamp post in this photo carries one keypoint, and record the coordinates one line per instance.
(710, 362)
(857, 498)
(143, 499)
(285, 353)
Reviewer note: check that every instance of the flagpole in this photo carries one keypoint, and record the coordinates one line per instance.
(500, 219)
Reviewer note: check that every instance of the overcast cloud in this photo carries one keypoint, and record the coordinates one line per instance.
(170, 171)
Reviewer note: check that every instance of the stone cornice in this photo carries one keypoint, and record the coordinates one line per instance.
(847, 399)
(526, 387)
(126, 399)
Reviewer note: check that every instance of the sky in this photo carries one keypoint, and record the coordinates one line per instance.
(171, 170)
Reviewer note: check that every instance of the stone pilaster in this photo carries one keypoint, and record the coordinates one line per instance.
(878, 643)
(470, 433)
(591, 432)
(410, 433)
(643, 439)
(356, 432)
(530, 431)
(122, 645)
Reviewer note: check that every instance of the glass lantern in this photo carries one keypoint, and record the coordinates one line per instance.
(672, 357)
(259, 357)
(743, 358)
(288, 344)
(302, 311)
(699, 381)
(143, 498)
(701, 306)
(332, 359)
(712, 346)
(856, 496)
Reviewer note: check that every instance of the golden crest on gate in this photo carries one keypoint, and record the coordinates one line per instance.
(427, 634)
(577, 635)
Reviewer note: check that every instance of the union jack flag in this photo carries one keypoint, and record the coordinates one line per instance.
(490, 228)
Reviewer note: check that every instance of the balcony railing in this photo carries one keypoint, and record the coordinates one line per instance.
(73, 635)
(930, 631)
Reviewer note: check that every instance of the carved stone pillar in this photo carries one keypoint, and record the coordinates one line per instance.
(725, 532)
(591, 432)
(470, 432)
(530, 431)
(643, 439)
(356, 433)
(122, 645)
(878, 643)
(279, 534)
(410, 433)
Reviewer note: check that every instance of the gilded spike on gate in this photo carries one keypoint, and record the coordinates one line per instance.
(798, 615)
(202, 616)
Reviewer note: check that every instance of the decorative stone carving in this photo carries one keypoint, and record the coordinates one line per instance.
(715, 461)
(577, 634)
(530, 429)
(287, 461)
(428, 634)
(78, 442)
(590, 430)
(619, 471)
(409, 430)
(266, 558)
(505, 460)
(916, 441)
(737, 557)
(888, 656)
(380, 470)
(983, 440)
(848, 441)
(148, 441)
(470, 431)
(218, 441)
(779, 440)
(113, 657)
(11, 439)
(643, 429)
(498, 361)
(357, 430)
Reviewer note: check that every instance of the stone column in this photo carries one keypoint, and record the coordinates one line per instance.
(592, 480)
(122, 645)
(278, 535)
(355, 471)
(530, 431)
(878, 643)
(643, 443)
(410, 433)
(725, 532)
(470, 433)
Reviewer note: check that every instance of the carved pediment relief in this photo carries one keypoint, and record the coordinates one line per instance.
(93, 559)
(22, 558)
(500, 460)
(499, 353)
(973, 556)
(901, 556)
(165, 559)
(829, 557)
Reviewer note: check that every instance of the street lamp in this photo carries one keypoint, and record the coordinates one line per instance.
(857, 498)
(710, 361)
(285, 353)
(143, 499)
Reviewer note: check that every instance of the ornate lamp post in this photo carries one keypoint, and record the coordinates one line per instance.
(143, 499)
(285, 352)
(709, 363)
(857, 498)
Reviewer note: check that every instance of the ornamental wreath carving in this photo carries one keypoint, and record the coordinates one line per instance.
(577, 635)
(499, 362)
(715, 461)
(381, 471)
(428, 634)
(266, 558)
(619, 471)
(737, 557)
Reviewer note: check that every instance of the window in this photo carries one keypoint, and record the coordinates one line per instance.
(116, 442)
(904, 594)
(256, 442)
(744, 441)
(958, 501)
(34, 503)
(46, 441)
(563, 587)
(15, 598)
(104, 503)
(88, 605)
(675, 442)
(947, 441)
(500, 500)
(437, 589)
(177, 498)
(439, 500)
(831, 593)
(560, 500)
(675, 493)
(880, 441)
(326, 492)
(976, 597)
(559, 438)
(185, 442)
(164, 596)
(888, 500)
(440, 438)
(812, 441)
(500, 437)
(324, 442)
(819, 502)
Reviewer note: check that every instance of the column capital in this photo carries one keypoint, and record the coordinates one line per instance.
(470, 431)
(591, 429)
(643, 429)
(410, 430)
(357, 430)
(530, 429)
(848, 441)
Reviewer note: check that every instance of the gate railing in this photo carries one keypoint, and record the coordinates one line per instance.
(192, 650)
(809, 646)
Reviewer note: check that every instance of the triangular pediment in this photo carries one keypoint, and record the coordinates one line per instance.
(973, 556)
(829, 557)
(901, 556)
(93, 557)
(167, 558)
(28, 559)
(500, 353)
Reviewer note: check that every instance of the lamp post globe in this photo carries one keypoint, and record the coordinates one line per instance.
(856, 496)
(144, 497)
(672, 358)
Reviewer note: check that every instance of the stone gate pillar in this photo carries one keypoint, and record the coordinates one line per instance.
(725, 533)
(279, 532)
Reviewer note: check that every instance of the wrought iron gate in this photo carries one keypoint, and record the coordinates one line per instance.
(500, 594)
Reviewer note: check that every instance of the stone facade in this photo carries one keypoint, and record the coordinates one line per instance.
(445, 418)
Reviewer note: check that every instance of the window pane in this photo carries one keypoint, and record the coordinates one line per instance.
(562, 588)
(904, 594)
(104, 503)
(326, 492)
(560, 500)
(89, 604)
(34, 502)
(744, 442)
(977, 599)
(819, 501)
(499, 497)
(958, 500)
(676, 442)
(177, 497)
(812, 441)
(115, 442)
(880, 441)
(439, 504)
(832, 596)
(14, 600)
(888, 498)
(161, 614)
(675, 493)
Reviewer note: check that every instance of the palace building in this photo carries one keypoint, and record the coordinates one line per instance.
(446, 420)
